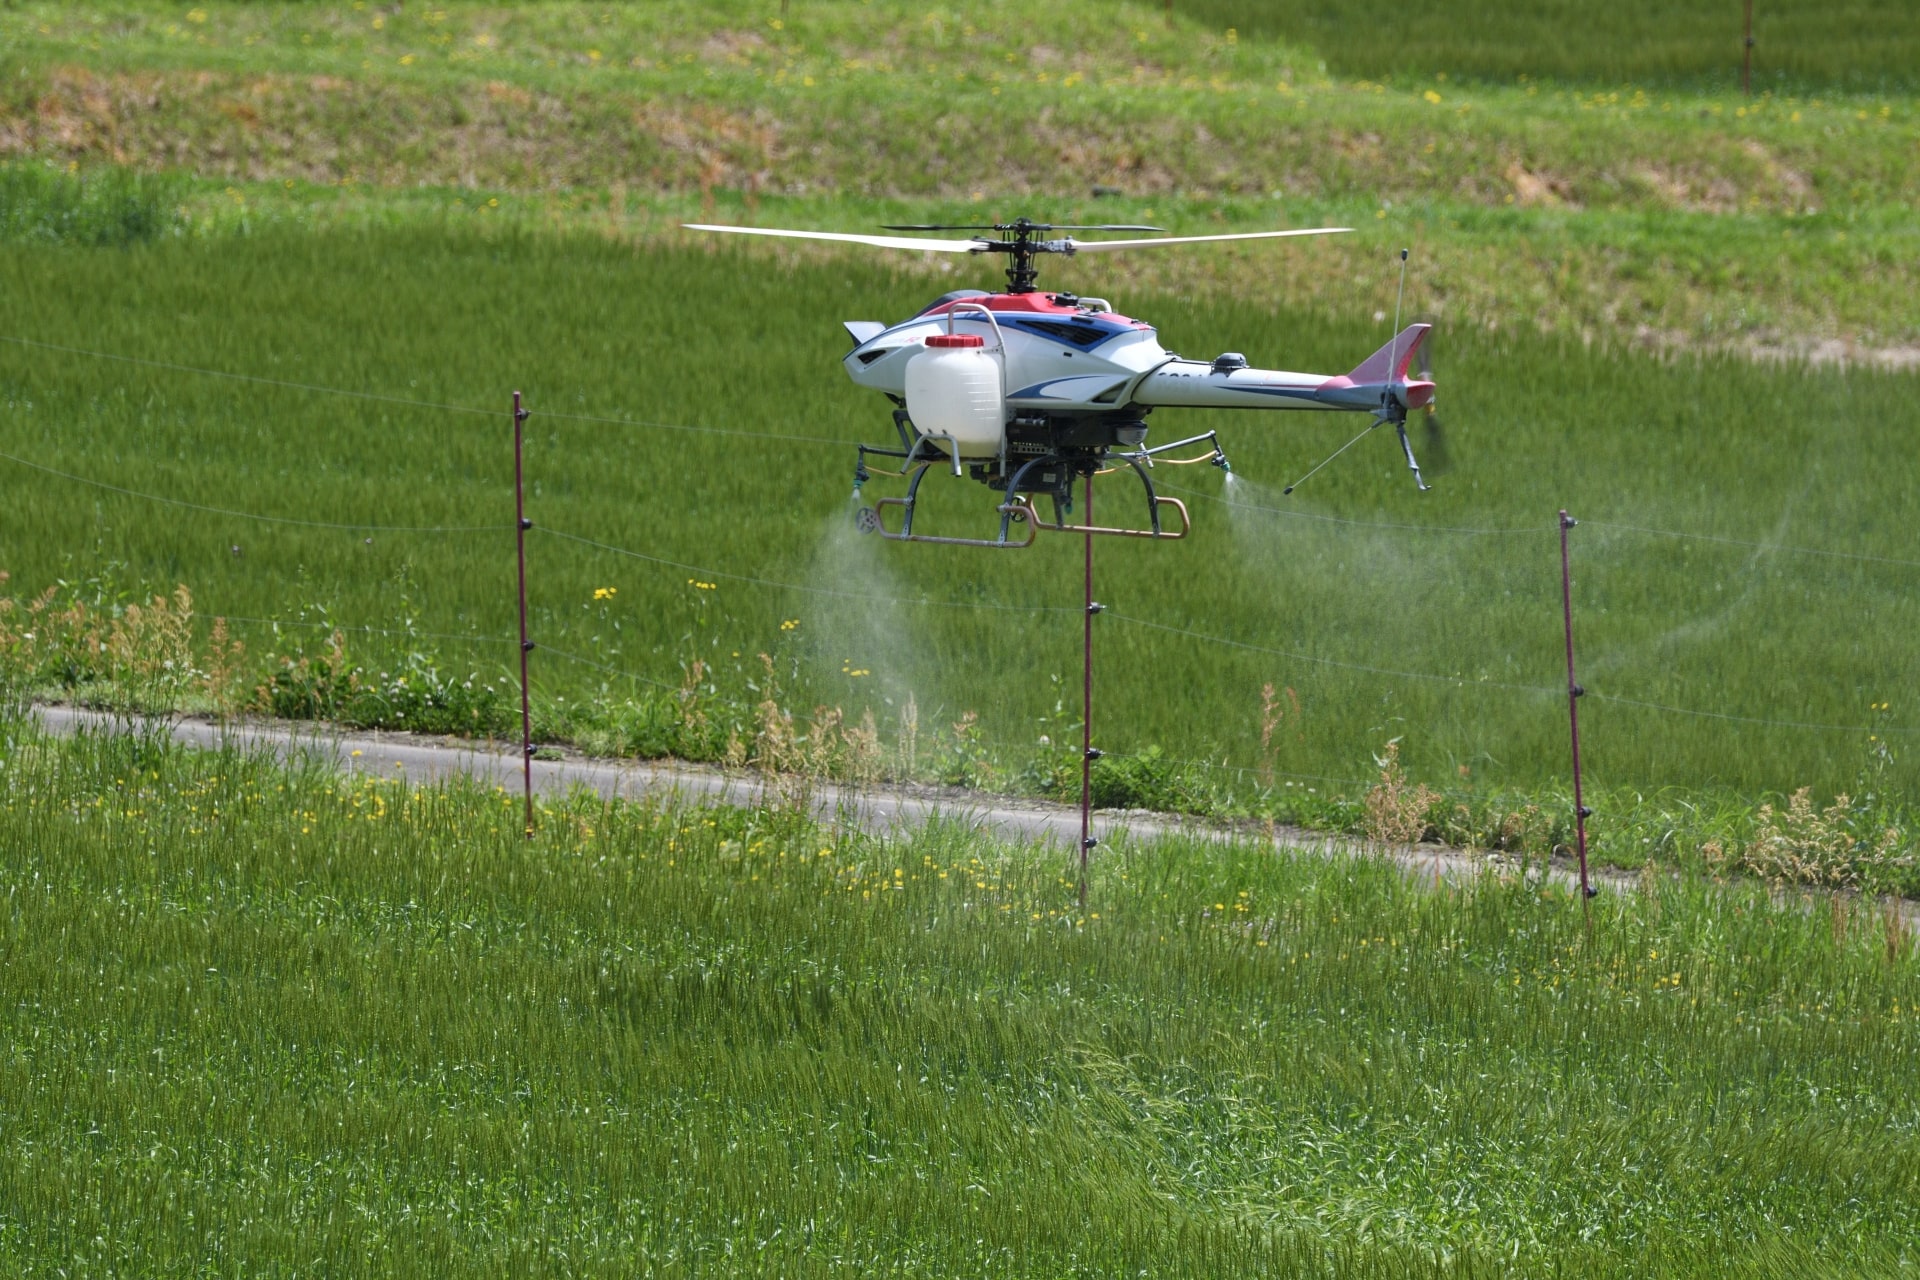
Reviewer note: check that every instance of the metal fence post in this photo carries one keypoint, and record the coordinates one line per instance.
(521, 524)
(1088, 753)
(1574, 693)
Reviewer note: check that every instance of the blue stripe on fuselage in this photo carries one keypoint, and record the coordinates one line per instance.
(1028, 324)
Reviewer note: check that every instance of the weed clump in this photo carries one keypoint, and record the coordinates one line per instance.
(1807, 847)
(99, 647)
(110, 208)
(1397, 811)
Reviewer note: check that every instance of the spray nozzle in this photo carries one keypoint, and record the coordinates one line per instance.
(1220, 461)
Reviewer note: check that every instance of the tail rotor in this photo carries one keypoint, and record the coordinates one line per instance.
(1434, 448)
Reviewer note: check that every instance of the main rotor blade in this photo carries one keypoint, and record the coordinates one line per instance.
(1008, 226)
(1089, 246)
(877, 242)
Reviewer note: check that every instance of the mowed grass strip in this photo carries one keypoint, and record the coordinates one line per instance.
(1449, 640)
(287, 1023)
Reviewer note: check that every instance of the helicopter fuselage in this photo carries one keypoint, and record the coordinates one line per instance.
(1061, 354)
(1077, 381)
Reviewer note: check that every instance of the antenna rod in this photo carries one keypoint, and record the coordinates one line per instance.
(1330, 457)
(1393, 345)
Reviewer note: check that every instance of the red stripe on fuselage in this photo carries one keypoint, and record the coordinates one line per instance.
(1043, 304)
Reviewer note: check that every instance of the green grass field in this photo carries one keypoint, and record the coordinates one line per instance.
(1796, 45)
(269, 273)
(274, 1024)
(445, 204)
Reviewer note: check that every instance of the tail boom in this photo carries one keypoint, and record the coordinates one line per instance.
(1193, 384)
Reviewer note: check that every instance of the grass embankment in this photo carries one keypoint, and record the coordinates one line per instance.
(291, 1023)
(1630, 213)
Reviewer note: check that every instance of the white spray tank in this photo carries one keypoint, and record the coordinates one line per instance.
(955, 394)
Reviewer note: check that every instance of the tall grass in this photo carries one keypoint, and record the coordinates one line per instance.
(1331, 610)
(108, 207)
(281, 1023)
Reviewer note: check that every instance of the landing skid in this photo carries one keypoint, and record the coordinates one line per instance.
(1019, 510)
(1041, 474)
(1158, 530)
(873, 520)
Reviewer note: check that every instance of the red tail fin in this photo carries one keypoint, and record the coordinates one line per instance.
(1389, 363)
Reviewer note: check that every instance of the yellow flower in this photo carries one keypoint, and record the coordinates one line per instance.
(604, 593)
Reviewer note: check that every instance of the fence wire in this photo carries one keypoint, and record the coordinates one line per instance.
(251, 515)
(709, 572)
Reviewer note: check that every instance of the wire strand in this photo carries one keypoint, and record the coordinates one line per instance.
(322, 624)
(443, 407)
(438, 406)
(1646, 530)
(251, 515)
(1741, 542)
(1753, 720)
(1335, 662)
(601, 666)
(1522, 688)
(1363, 524)
(830, 592)
(682, 426)
(315, 388)
(311, 387)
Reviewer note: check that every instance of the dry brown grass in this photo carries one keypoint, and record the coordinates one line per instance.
(1397, 813)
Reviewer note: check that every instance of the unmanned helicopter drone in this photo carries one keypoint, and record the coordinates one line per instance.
(1065, 388)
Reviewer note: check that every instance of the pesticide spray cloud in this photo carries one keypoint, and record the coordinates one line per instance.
(859, 646)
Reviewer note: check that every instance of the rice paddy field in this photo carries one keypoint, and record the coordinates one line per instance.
(265, 1022)
(272, 270)
(269, 276)
(1795, 45)
(691, 453)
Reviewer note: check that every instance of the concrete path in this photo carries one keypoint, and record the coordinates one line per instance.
(881, 810)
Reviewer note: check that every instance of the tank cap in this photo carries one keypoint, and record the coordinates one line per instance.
(956, 340)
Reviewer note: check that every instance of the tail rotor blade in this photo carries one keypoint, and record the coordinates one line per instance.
(1434, 450)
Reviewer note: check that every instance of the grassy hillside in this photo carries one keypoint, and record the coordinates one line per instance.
(1637, 211)
(339, 1027)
